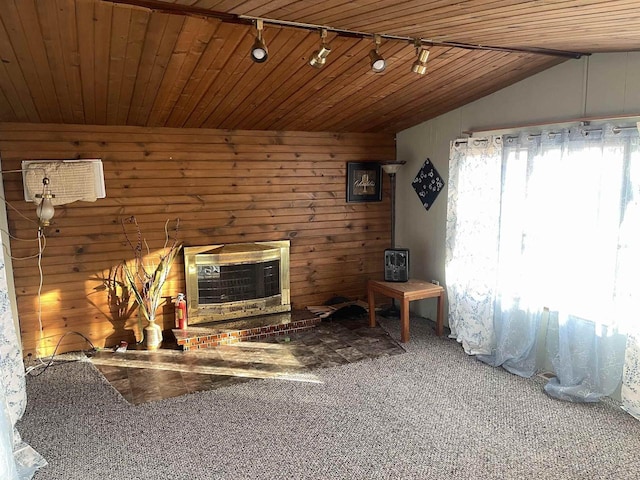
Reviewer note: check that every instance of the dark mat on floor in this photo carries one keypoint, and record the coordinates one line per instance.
(142, 376)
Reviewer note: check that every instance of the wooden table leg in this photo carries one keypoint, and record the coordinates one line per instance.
(404, 320)
(440, 318)
(372, 307)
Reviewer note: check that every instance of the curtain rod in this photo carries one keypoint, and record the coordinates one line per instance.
(582, 121)
(534, 135)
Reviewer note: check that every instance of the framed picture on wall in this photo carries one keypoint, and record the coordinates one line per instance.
(364, 182)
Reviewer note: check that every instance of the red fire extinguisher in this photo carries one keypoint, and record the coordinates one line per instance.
(181, 312)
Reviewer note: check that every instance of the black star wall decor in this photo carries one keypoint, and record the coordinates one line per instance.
(428, 184)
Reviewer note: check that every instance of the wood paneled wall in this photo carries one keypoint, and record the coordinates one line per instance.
(224, 186)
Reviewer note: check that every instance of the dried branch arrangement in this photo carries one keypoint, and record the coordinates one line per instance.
(146, 276)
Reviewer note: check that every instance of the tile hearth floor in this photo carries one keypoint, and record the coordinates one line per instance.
(143, 376)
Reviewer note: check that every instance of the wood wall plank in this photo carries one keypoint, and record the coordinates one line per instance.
(226, 186)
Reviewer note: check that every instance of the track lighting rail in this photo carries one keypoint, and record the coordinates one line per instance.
(178, 9)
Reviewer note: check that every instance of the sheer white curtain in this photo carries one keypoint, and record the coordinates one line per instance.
(543, 255)
(18, 461)
(473, 224)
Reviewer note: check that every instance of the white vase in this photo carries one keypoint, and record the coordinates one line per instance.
(152, 335)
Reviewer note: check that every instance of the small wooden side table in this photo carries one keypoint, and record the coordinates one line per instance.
(405, 292)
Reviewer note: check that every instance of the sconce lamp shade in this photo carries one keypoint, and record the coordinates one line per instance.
(44, 210)
(392, 168)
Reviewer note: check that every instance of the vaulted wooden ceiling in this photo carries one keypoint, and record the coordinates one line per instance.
(185, 63)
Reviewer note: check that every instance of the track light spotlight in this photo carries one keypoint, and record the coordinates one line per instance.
(378, 63)
(420, 65)
(319, 57)
(259, 51)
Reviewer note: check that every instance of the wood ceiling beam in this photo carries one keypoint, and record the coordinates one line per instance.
(179, 9)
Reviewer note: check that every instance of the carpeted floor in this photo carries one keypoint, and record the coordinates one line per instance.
(431, 413)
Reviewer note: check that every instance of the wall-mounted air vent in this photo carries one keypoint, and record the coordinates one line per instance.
(69, 180)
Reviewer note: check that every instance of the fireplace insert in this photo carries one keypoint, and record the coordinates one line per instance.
(237, 280)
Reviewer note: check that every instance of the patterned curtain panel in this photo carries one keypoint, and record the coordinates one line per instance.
(543, 257)
(473, 227)
(630, 390)
(20, 461)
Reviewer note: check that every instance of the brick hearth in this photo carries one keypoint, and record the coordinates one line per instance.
(208, 335)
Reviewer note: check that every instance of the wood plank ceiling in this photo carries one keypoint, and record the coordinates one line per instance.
(113, 63)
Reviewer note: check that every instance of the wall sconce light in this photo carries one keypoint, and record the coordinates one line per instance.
(378, 63)
(319, 57)
(259, 51)
(420, 65)
(44, 210)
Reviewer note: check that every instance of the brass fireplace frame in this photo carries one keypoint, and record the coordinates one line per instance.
(235, 254)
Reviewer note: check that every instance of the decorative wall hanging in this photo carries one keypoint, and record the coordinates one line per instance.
(428, 184)
(364, 182)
